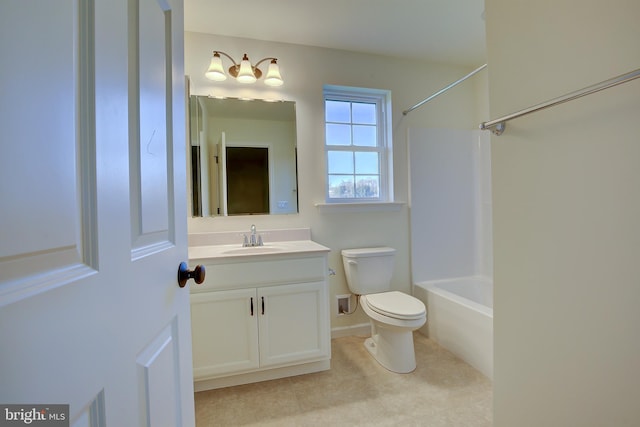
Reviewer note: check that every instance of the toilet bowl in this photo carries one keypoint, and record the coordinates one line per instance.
(393, 315)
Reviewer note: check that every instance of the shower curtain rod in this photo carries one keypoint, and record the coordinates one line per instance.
(498, 126)
(441, 91)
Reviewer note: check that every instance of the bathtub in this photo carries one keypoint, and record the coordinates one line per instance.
(460, 318)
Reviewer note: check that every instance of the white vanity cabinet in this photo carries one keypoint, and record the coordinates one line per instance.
(224, 333)
(292, 327)
(260, 317)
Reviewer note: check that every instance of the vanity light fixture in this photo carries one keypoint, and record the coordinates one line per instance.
(243, 72)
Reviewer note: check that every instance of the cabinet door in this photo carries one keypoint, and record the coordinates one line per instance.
(295, 323)
(225, 332)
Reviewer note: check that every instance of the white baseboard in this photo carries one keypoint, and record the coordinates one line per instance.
(262, 375)
(363, 330)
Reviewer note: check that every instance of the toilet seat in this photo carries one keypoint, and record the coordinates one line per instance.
(396, 305)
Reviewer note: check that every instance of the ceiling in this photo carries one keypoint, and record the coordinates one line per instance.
(447, 31)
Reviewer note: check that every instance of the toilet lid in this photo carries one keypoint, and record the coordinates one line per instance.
(396, 304)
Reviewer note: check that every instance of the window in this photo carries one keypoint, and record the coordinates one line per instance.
(357, 145)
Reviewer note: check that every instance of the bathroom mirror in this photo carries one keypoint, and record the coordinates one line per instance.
(243, 157)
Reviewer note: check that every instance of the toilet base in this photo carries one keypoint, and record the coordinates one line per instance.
(392, 348)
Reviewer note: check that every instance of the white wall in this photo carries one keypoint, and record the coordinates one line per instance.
(305, 70)
(566, 206)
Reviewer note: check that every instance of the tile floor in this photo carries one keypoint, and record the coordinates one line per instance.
(443, 391)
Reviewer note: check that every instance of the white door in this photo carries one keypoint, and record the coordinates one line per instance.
(93, 211)
(233, 347)
(222, 174)
(293, 323)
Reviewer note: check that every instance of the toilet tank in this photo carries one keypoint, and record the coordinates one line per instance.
(368, 270)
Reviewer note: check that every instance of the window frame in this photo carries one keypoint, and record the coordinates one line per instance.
(382, 99)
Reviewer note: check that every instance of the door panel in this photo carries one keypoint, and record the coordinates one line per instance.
(232, 347)
(158, 381)
(91, 312)
(150, 139)
(45, 228)
(92, 415)
(294, 325)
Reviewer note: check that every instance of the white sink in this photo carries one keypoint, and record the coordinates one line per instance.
(270, 249)
(252, 250)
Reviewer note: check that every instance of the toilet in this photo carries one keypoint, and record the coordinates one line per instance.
(394, 315)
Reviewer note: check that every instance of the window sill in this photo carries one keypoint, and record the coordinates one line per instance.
(359, 207)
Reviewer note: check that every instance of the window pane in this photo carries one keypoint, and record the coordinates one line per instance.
(367, 186)
(337, 111)
(355, 145)
(340, 161)
(338, 134)
(341, 186)
(364, 136)
(367, 163)
(364, 113)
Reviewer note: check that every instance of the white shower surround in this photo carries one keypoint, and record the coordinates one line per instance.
(451, 245)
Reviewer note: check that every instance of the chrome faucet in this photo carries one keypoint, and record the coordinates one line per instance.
(253, 235)
(254, 240)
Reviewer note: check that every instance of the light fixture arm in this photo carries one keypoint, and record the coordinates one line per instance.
(265, 59)
(227, 55)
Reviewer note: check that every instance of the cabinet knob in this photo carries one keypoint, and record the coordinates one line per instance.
(184, 274)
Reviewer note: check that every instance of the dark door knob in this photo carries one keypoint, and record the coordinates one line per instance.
(184, 274)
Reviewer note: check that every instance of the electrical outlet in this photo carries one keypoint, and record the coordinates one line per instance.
(344, 304)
